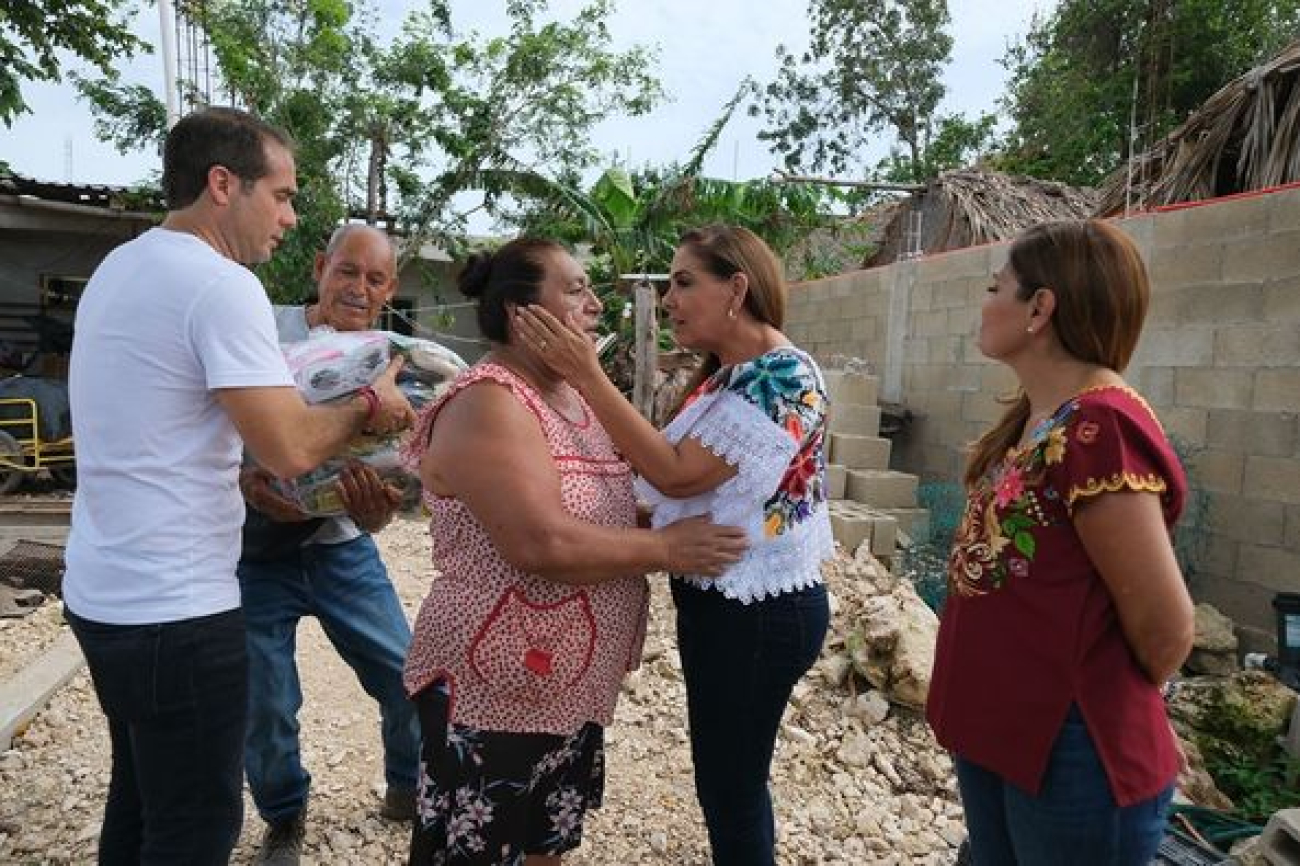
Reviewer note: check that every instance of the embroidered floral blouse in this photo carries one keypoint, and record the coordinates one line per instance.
(1029, 627)
(766, 417)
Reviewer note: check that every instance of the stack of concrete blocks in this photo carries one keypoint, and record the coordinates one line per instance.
(1280, 841)
(868, 501)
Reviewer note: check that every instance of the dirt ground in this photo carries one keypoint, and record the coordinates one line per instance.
(848, 791)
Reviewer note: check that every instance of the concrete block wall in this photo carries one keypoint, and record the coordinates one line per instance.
(868, 501)
(1219, 360)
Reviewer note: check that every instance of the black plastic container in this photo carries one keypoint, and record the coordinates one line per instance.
(1287, 605)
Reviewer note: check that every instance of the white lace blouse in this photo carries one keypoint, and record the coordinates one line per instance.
(767, 418)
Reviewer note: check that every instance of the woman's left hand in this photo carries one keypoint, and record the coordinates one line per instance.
(567, 350)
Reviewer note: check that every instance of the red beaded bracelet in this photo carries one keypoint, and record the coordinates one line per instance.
(368, 394)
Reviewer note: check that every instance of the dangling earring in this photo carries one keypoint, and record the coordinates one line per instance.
(731, 313)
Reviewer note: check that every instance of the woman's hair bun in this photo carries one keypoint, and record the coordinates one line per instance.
(473, 279)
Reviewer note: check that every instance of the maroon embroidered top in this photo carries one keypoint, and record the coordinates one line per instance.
(1029, 627)
(523, 653)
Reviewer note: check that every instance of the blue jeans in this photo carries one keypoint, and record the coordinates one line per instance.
(175, 696)
(346, 587)
(740, 663)
(1073, 821)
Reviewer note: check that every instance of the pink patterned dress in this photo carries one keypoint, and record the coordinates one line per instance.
(522, 653)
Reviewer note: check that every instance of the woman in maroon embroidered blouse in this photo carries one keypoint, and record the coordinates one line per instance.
(1066, 607)
(539, 610)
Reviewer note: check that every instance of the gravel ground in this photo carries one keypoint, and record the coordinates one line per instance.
(849, 790)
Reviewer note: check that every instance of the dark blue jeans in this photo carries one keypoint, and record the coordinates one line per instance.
(1073, 821)
(740, 663)
(346, 587)
(175, 695)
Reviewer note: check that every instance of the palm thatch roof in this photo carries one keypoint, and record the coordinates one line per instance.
(1244, 137)
(969, 207)
(840, 245)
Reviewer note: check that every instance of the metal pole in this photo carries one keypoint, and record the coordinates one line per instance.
(167, 20)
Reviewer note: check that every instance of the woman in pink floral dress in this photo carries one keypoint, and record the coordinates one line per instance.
(1066, 608)
(539, 610)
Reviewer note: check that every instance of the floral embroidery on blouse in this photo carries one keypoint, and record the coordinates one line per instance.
(1148, 483)
(782, 385)
(996, 539)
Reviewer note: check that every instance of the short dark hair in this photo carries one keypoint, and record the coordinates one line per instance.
(215, 136)
(511, 275)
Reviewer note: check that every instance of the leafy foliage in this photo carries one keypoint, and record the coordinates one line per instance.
(1243, 754)
(872, 65)
(629, 222)
(1192, 532)
(957, 142)
(394, 129)
(1088, 68)
(925, 563)
(33, 32)
(129, 115)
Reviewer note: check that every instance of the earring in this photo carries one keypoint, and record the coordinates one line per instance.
(731, 313)
(1029, 330)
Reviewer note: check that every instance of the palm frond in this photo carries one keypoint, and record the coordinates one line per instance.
(711, 136)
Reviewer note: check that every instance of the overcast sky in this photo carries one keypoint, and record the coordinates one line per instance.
(705, 48)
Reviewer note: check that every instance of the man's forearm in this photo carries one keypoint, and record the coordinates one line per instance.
(328, 429)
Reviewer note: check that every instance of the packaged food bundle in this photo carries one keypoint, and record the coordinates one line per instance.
(330, 364)
(317, 492)
(428, 361)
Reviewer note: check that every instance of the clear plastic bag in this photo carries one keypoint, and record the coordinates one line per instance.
(332, 365)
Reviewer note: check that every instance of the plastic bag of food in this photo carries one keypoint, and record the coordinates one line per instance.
(430, 362)
(317, 492)
(330, 364)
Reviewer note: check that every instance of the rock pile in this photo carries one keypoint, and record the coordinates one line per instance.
(857, 780)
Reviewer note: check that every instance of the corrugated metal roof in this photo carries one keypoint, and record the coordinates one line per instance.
(89, 195)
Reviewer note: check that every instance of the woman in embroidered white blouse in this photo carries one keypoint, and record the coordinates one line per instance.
(746, 446)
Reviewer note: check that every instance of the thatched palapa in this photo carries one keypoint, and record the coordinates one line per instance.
(1244, 137)
(968, 207)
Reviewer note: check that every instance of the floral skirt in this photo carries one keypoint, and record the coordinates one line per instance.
(490, 798)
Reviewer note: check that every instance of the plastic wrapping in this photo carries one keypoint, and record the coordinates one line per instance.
(332, 365)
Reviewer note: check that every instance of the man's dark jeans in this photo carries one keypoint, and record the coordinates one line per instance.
(740, 663)
(176, 698)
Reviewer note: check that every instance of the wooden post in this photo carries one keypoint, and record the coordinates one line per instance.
(645, 347)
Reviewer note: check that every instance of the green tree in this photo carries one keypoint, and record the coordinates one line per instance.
(632, 220)
(957, 142)
(396, 128)
(872, 65)
(33, 32)
(1090, 69)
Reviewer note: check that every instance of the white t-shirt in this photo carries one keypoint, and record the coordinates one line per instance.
(164, 322)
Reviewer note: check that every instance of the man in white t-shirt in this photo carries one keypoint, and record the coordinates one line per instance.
(175, 362)
(292, 567)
